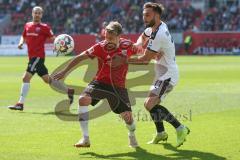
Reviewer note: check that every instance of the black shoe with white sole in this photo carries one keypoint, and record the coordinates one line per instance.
(18, 106)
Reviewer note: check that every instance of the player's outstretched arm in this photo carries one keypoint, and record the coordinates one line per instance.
(142, 40)
(77, 59)
(143, 59)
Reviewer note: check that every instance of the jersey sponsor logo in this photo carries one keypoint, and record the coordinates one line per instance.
(32, 34)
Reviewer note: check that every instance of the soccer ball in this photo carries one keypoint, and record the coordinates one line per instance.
(63, 44)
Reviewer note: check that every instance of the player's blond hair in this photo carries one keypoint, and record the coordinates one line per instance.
(115, 27)
(37, 8)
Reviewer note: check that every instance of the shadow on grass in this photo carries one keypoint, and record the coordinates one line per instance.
(142, 154)
(190, 154)
(139, 153)
(61, 110)
(64, 112)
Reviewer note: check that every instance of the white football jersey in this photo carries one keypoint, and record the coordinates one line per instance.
(161, 41)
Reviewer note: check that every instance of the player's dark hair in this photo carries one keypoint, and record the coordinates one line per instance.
(157, 7)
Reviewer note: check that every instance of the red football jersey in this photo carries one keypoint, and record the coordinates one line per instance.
(35, 36)
(106, 74)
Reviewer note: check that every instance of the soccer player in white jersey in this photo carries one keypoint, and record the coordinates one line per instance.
(160, 47)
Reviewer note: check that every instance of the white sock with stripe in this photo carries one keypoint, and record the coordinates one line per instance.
(131, 128)
(83, 119)
(24, 92)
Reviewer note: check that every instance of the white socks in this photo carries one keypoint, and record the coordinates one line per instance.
(180, 127)
(83, 119)
(59, 85)
(25, 88)
(131, 128)
(24, 92)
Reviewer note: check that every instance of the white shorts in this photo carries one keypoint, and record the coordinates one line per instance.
(164, 81)
(161, 88)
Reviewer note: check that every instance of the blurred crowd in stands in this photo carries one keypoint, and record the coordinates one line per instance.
(225, 18)
(87, 16)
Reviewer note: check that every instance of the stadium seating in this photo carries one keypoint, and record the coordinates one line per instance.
(87, 16)
(222, 19)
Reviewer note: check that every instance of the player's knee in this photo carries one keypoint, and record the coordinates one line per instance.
(50, 80)
(127, 117)
(129, 120)
(150, 102)
(147, 104)
(46, 81)
(85, 100)
(25, 79)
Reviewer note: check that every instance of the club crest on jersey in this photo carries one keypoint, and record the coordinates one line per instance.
(37, 29)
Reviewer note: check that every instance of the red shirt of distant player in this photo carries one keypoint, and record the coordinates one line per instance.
(35, 36)
(104, 52)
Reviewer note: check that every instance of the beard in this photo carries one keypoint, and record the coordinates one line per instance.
(150, 24)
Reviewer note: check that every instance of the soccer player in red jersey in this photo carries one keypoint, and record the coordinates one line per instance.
(109, 81)
(35, 34)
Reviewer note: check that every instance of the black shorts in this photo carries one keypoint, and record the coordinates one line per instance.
(117, 97)
(36, 65)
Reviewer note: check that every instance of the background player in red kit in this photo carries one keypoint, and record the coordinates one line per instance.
(109, 81)
(35, 34)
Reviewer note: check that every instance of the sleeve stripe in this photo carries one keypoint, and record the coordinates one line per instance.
(145, 34)
(151, 50)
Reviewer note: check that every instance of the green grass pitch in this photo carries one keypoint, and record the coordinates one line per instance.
(207, 100)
